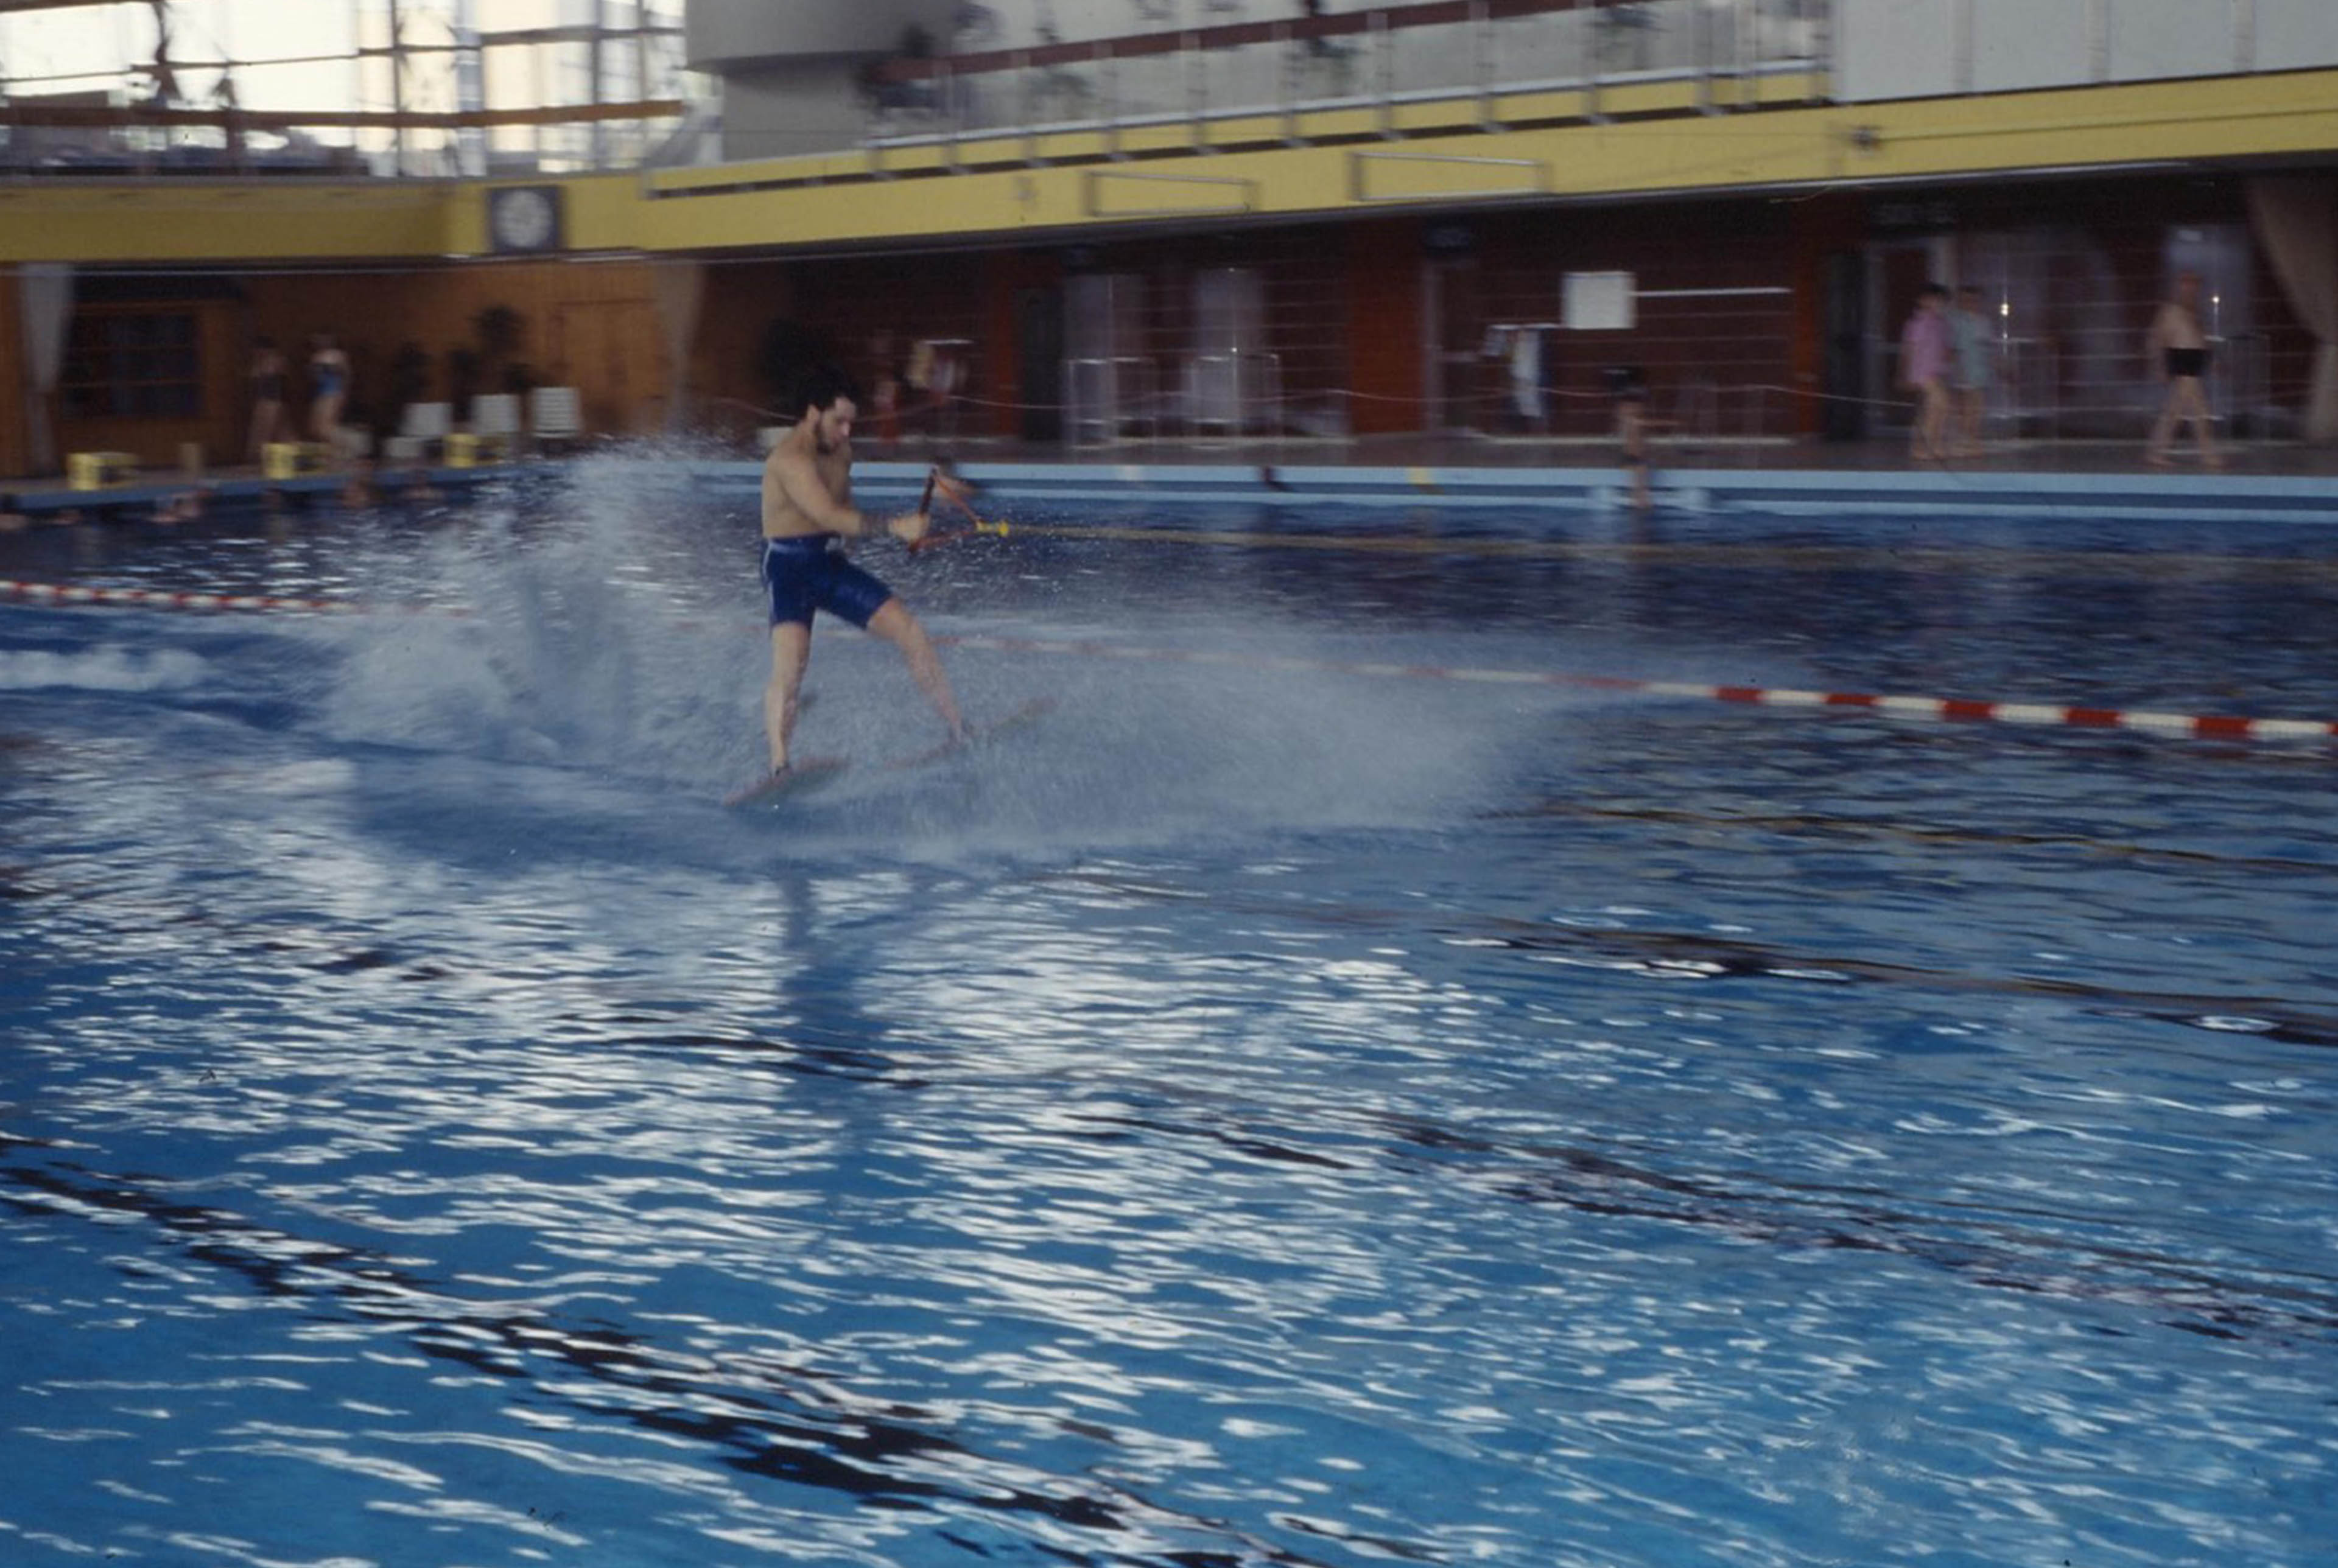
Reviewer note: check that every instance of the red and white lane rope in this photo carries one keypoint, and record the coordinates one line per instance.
(77, 596)
(2202, 726)
(156, 599)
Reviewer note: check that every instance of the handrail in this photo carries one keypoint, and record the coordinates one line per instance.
(104, 116)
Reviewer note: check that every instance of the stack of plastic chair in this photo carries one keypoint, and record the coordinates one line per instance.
(495, 423)
(422, 429)
(556, 416)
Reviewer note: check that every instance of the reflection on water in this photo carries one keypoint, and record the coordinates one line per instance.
(1258, 1117)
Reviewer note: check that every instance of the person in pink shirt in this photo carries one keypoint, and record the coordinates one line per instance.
(1924, 350)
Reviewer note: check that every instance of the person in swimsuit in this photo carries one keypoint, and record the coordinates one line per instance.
(1970, 349)
(808, 511)
(267, 398)
(1924, 371)
(2180, 350)
(329, 376)
(1628, 385)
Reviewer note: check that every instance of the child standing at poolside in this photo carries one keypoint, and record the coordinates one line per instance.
(1969, 342)
(1924, 371)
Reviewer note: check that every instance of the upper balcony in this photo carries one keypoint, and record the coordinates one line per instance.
(1376, 60)
(1012, 69)
(474, 88)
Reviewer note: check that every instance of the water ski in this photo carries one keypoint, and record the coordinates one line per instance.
(798, 777)
(979, 734)
(774, 787)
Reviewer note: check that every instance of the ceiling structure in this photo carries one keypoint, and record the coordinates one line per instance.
(434, 88)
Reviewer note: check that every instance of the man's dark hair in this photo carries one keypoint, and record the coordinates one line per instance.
(821, 385)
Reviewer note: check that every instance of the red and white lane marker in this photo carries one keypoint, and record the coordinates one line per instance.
(156, 599)
(2199, 726)
(79, 596)
(2202, 726)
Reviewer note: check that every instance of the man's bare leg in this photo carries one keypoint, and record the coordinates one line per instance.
(1924, 437)
(894, 623)
(790, 647)
(2196, 403)
(2163, 429)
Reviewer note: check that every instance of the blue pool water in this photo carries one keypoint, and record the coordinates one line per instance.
(1265, 1113)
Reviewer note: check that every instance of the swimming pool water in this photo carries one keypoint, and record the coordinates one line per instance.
(1267, 1113)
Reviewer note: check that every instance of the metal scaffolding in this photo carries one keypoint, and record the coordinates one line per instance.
(427, 88)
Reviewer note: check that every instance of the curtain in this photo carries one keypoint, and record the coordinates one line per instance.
(679, 289)
(2296, 221)
(44, 300)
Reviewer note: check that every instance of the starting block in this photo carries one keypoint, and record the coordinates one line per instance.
(291, 459)
(96, 470)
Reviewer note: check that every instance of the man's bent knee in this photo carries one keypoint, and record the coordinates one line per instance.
(893, 622)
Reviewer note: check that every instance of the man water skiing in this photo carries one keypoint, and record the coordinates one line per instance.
(808, 511)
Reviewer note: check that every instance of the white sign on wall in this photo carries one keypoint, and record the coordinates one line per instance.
(1597, 301)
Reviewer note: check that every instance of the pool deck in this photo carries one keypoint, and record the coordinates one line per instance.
(2286, 482)
(2289, 483)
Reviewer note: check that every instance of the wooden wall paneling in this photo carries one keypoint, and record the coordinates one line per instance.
(1384, 365)
(15, 441)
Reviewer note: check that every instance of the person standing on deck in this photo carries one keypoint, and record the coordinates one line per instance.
(1969, 337)
(808, 513)
(1628, 385)
(2180, 351)
(268, 425)
(329, 392)
(1924, 371)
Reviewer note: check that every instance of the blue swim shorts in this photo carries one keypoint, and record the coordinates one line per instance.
(803, 574)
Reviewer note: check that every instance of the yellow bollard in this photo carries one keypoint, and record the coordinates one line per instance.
(291, 459)
(96, 470)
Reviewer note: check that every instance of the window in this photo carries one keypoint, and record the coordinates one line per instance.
(132, 365)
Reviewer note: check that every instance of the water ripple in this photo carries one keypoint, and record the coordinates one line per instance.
(1605, 1135)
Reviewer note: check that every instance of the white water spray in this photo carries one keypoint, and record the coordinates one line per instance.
(596, 637)
(618, 629)
(105, 669)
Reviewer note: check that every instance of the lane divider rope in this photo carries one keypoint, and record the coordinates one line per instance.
(74, 594)
(158, 599)
(2200, 726)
